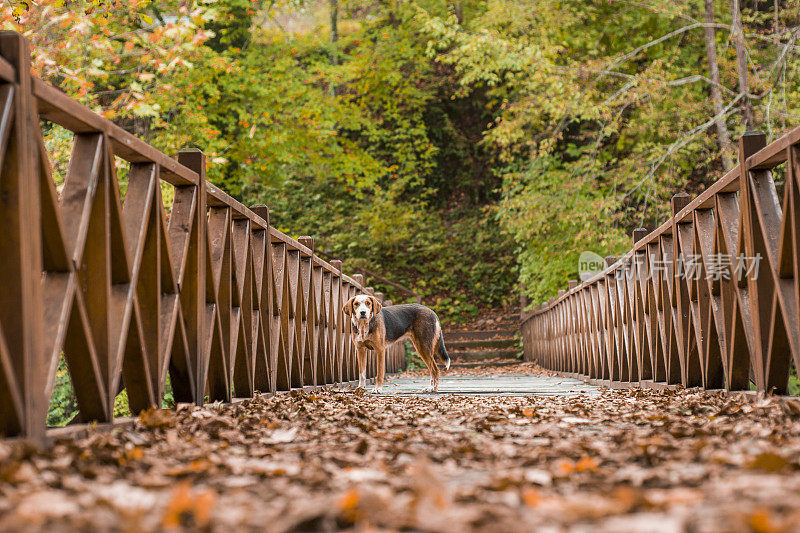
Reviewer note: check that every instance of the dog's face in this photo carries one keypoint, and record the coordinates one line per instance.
(362, 307)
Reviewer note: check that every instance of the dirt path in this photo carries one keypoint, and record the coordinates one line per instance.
(616, 461)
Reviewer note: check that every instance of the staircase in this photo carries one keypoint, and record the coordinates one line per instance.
(494, 341)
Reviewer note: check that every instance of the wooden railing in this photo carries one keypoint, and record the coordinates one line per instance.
(666, 313)
(368, 274)
(209, 294)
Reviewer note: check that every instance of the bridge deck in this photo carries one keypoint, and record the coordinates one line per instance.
(493, 385)
(544, 453)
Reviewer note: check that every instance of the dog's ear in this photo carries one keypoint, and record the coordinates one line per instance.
(348, 307)
(376, 305)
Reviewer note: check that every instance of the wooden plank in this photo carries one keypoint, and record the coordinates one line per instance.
(7, 71)
(774, 153)
(11, 401)
(219, 198)
(505, 385)
(192, 277)
(59, 108)
(21, 249)
(277, 236)
(291, 244)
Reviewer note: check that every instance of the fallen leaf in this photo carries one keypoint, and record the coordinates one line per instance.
(157, 418)
(187, 508)
(769, 462)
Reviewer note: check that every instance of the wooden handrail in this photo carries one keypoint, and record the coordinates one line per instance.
(370, 274)
(212, 297)
(667, 312)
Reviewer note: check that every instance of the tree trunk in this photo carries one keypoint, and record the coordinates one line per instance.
(776, 22)
(334, 9)
(334, 30)
(741, 64)
(716, 94)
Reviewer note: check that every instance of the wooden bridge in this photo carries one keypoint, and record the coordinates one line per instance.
(203, 290)
(708, 299)
(246, 326)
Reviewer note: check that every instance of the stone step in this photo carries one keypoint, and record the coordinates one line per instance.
(481, 343)
(477, 355)
(458, 336)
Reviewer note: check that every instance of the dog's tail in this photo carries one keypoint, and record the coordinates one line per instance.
(440, 346)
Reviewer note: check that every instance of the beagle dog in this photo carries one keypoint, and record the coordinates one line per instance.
(377, 328)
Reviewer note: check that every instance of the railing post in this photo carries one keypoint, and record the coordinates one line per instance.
(643, 361)
(308, 242)
(310, 358)
(689, 363)
(338, 354)
(265, 305)
(193, 290)
(21, 303)
(760, 305)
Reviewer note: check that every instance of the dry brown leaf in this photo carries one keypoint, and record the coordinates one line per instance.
(334, 459)
(157, 418)
(762, 521)
(769, 462)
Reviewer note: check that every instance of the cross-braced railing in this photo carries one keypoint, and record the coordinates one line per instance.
(209, 294)
(709, 298)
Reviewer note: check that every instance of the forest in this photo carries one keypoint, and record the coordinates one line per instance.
(469, 150)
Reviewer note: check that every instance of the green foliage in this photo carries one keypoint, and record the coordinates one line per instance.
(598, 124)
(377, 155)
(121, 406)
(794, 384)
(168, 400)
(63, 403)
(457, 148)
(413, 360)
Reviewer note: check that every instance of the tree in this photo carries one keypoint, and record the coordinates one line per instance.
(716, 93)
(737, 34)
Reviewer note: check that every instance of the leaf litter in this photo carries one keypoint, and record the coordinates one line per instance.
(622, 460)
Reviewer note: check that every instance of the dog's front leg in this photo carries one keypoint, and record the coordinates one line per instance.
(380, 352)
(361, 354)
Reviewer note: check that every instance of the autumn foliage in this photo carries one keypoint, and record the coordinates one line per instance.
(456, 148)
